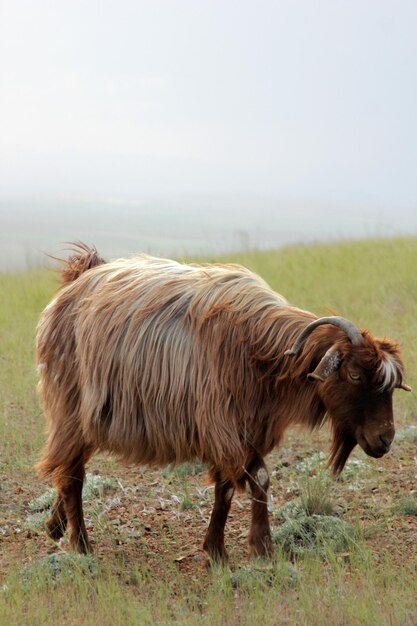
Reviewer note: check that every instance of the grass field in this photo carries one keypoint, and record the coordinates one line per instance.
(147, 527)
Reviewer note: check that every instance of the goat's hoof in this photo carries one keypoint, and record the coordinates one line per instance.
(82, 546)
(211, 564)
(55, 529)
(83, 549)
(263, 550)
(216, 557)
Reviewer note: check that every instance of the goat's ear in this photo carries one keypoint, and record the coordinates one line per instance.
(327, 366)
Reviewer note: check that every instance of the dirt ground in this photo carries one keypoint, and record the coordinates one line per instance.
(151, 517)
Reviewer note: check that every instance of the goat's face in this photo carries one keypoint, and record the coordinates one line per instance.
(360, 410)
(356, 386)
(376, 432)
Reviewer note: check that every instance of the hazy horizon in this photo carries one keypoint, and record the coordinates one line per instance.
(174, 227)
(180, 126)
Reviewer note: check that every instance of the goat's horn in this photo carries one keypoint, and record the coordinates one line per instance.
(350, 329)
(405, 387)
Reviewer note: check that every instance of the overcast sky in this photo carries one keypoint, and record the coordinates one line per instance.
(296, 99)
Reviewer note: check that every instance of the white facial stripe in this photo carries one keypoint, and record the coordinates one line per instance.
(389, 371)
(262, 476)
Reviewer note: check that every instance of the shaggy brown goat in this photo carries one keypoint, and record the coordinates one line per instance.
(159, 363)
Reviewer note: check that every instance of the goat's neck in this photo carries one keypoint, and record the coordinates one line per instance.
(301, 403)
(298, 401)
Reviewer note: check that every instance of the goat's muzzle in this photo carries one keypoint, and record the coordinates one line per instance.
(376, 446)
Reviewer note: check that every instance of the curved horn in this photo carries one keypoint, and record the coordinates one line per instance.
(350, 329)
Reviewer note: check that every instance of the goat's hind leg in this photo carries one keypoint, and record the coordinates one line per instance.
(56, 523)
(67, 508)
(70, 487)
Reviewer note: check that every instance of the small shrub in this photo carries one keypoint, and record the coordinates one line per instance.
(312, 463)
(409, 433)
(298, 508)
(354, 470)
(44, 501)
(315, 533)
(57, 568)
(315, 464)
(186, 502)
(96, 486)
(407, 506)
(261, 573)
(315, 498)
(294, 509)
(36, 521)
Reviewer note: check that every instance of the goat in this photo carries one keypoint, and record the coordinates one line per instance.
(159, 362)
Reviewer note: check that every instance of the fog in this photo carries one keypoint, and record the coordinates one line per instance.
(179, 227)
(180, 127)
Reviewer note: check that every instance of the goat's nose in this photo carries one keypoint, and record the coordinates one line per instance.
(386, 441)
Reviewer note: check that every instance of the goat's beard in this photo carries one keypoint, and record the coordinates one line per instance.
(342, 446)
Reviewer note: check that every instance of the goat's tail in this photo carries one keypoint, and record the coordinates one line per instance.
(84, 258)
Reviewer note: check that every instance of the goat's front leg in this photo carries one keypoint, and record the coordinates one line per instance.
(214, 541)
(260, 533)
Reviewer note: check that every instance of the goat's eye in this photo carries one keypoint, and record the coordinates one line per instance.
(354, 377)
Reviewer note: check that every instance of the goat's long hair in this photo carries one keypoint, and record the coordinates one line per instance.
(161, 362)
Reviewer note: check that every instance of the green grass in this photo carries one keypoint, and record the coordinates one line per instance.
(374, 283)
(309, 594)
(23, 296)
